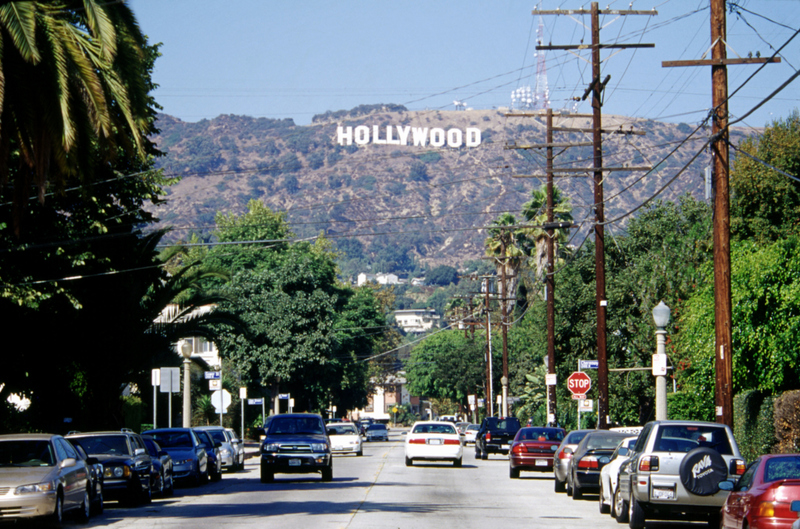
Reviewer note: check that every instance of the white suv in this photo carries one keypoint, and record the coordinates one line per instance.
(675, 471)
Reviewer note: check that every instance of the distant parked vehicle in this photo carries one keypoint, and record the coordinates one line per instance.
(95, 479)
(533, 450)
(213, 451)
(238, 447)
(609, 475)
(189, 457)
(588, 459)
(227, 453)
(564, 456)
(162, 482)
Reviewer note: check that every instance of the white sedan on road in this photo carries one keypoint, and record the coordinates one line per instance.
(344, 438)
(609, 475)
(433, 441)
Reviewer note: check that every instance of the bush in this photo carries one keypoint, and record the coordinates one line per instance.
(787, 422)
(754, 424)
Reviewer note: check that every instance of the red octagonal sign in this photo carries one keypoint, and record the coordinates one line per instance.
(579, 383)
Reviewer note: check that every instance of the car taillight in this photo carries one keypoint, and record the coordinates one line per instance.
(488, 436)
(416, 441)
(766, 508)
(648, 464)
(519, 449)
(737, 467)
(588, 463)
(564, 455)
(452, 442)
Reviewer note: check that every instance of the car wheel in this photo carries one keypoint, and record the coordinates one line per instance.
(327, 474)
(217, 475)
(360, 453)
(484, 455)
(457, 463)
(147, 496)
(409, 461)
(57, 517)
(620, 507)
(604, 509)
(636, 517)
(169, 488)
(204, 476)
(513, 473)
(267, 476)
(559, 485)
(85, 510)
(569, 487)
(477, 452)
(158, 486)
(577, 493)
(97, 505)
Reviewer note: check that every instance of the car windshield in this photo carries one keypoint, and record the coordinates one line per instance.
(217, 435)
(26, 453)
(173, 439)
(600, 441)
(474, 427)
(295, 425)
(374, 427)
(342, 429)
(574, 438)
(540, 434)
(152, 446)
(114, 445)
(782, 468)
(435, 428)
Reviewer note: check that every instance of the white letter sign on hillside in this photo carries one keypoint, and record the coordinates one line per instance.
(419, 136)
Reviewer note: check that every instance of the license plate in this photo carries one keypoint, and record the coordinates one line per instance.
(504, 447)
(541, 462)
(434, 441)
(663, 493)
(294, 462)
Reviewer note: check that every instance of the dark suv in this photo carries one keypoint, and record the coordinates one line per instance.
(495, 436)
(126, 463)
(296, 443)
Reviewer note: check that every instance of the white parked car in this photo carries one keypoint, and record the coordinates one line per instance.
(610, 474)
(344, 438)
(433, 441)
(470, 433)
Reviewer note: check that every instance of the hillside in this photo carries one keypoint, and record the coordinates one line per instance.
(404, 201)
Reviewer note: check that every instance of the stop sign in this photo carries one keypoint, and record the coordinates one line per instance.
(579, 383)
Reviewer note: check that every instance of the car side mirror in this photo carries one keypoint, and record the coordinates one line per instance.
(68, 462)
(568, 450)
(622, 451)
(796, 506)
(139, 451)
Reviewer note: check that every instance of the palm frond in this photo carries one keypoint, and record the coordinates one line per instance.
(19, 21)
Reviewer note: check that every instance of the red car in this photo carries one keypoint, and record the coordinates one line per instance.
(533, 448)
(763, 495)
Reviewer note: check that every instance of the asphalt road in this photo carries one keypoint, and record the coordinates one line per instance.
(376, 490)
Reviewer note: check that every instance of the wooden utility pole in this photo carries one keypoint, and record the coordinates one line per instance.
(723, 332)
(596, 88)
(549, 278)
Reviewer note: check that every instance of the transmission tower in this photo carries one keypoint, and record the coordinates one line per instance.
(541, 93)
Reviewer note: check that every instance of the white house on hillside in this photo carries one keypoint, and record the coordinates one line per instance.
(416, 320)
(381, 279)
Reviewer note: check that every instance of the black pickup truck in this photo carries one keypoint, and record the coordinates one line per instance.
(495, 436)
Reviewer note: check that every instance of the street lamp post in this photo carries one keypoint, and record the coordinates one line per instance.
(661, 319)
(186, 351)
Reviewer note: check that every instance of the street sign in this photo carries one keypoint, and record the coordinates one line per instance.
(254, 402)
(221, 399)
(170, 380)
(550, 379)
(585, 405)
(659, 365)
(214, 384)
(212, 375)
(283, 396)
(579, 383)
(155, 377)
(243, 393)
(588, 364)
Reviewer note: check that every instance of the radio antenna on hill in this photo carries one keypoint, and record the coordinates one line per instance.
(541, 93)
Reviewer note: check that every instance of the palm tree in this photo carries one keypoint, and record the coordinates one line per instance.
(507, 244)
(73, 92)
(535, 211)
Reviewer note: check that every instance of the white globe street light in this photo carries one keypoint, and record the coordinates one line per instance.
(186, 351)
(661, 319)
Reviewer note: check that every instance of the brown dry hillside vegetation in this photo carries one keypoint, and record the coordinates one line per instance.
(427, 203)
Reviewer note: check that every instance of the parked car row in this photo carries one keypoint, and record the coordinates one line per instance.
(46, 476)
(680, 470)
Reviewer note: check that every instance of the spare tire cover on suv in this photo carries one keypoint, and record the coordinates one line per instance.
(701, 471)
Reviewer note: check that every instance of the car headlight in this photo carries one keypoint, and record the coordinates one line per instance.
(225, 452)
(270, 447)
(319, 447)
(117, 472)
(47, 486)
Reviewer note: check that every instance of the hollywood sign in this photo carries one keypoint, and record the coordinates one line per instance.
(419, 136)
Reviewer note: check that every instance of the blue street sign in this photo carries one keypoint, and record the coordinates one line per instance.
(212, 375)
(588, 364)
(255, 401)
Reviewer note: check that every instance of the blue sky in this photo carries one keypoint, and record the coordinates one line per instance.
(279, 59)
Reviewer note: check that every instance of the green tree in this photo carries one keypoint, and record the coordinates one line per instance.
(765, 205)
